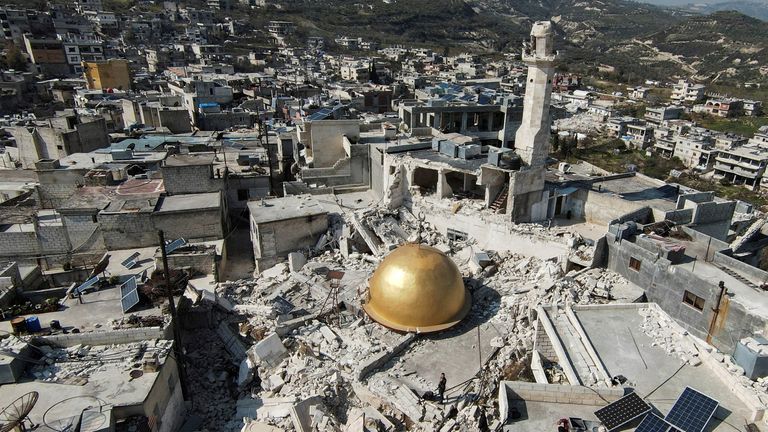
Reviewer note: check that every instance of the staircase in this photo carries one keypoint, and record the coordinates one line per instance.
(500, 203)
(737, 276)
(582, 363)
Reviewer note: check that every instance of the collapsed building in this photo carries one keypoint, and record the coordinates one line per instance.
(393, 259)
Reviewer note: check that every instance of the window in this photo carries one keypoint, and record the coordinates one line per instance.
(693, 301)
(455, 235)
(634, 263)
(71, 49)
(242, 194)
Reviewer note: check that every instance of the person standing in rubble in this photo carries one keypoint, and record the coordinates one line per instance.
(441, 387)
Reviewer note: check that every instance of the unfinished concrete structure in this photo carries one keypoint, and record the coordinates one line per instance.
(283, 225)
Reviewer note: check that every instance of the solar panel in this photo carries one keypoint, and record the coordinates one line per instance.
(129, 294)
(692, 411)
(87, 284)
(622, 411)
(130, 261)
(172, 246)
(653, 423)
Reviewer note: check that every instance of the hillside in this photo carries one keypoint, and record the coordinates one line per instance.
(720, 47)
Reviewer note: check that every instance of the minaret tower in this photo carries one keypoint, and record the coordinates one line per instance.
(532, 139)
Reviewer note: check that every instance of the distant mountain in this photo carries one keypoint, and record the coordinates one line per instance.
(718, 46)
(754, 8)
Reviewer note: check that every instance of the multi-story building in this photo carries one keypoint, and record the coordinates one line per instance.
(47, 54)
(14, 23)
(89, 5)
(640, 134)
(82, 48)
(720, 107)
(105, 22)
(742, 166)
(695, 151)
(760, 139)
(752, 107)
(658, 115)
(687, 92)
(355, 71)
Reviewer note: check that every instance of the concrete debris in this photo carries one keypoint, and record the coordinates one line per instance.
(74, 365)
(296, 261)
(315, 360)
(668, 335)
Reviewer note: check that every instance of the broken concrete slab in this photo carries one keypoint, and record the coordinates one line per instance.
(379, 359)
(303, 414)
(254, 426)
(265, 408)
(296, 261)
(269, 351)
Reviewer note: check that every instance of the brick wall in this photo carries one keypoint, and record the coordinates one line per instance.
(191, 179)
(127, 230)
(200, 225)
(543, 345)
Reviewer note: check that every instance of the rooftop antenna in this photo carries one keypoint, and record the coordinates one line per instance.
(14, 415)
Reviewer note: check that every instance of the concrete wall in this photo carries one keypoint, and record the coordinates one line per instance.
(326, 140)
(197, 225)
(109, 337)
(273, 241)
(602, 208)
(191, 179)
(56, 186)
(83, 231)
(127, 230)
(257, 187)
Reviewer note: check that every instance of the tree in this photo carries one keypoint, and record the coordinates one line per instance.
(14, 59)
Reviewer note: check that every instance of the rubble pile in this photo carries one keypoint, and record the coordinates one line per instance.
(81, 361)
(134, 321)
(310, 348)
(669, 336)
(213, 389)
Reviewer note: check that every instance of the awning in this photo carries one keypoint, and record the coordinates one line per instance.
(565, 191)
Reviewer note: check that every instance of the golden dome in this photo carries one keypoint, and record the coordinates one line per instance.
(417, 288)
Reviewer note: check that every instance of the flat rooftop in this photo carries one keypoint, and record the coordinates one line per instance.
(191, 159)
(110, 384)
(625, 349)
(189, 202)
(290, 207)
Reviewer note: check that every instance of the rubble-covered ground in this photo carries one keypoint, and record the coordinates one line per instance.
(308, 340)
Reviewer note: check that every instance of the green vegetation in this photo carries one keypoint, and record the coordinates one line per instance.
(746, 126)
(724, 190)
(613, 155)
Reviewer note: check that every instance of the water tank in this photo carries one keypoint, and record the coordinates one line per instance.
(33, 324)
(752, 355)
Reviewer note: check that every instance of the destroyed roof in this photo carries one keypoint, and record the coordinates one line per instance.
(290, 207)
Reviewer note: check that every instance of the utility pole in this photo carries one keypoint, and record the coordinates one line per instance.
(174, 320)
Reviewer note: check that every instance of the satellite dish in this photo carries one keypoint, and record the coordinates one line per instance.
(16, 413)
